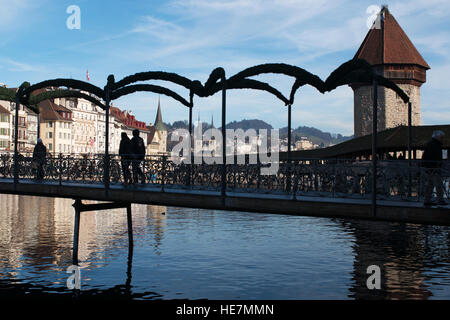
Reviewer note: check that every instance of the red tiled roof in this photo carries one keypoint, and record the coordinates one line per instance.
(128, 120)
(3, 110)
(389, 45)
(49, 112)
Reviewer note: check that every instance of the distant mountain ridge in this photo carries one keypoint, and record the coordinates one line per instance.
(316, 136)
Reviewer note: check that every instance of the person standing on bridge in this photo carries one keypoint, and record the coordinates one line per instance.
(125, 153)
(432, 161)
(138, 149)
(39, 154)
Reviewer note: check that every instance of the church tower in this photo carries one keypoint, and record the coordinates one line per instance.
(162, 129)
(389, 50)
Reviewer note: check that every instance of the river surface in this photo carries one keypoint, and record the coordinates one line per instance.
(183, 253)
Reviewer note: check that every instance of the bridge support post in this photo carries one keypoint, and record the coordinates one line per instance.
(80, 207)
(76, 231)
(130, 226)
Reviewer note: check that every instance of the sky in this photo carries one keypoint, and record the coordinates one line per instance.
(193, 37)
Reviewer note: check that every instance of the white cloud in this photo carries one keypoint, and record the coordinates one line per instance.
(16, 66)
(192, 37)
(13, 13)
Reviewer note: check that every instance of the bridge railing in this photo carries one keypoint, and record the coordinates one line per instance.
(396, 179)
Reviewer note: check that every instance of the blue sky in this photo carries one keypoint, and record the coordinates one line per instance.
(192, 37)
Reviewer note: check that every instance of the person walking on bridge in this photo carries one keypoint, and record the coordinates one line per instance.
(432, 161)
(125, 153)
(39, 154)
(138, 150)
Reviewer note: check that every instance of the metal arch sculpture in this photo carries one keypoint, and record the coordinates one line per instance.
(36, 99)
(351, 71)
(359, 70)
(150, 88)
(159, 75)
(250, 84)
(301, 75)
(69, 83)
(7, 94)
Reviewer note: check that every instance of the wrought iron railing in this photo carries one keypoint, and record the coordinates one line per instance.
(396, 180)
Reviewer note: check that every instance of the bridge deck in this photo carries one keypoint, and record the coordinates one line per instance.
(402, 211)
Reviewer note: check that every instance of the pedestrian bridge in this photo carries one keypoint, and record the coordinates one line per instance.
(324, 188)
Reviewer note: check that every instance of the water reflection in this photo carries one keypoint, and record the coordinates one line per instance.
(36, 235)
(406, 253)
(194, 253)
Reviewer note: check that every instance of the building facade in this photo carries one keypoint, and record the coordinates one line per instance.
(85, 126)
(56, 127)
(5, 126)
(75, 126)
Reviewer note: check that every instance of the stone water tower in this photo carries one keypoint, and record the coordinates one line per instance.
(388, 49)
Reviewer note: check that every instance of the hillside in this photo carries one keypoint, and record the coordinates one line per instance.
(316, 136)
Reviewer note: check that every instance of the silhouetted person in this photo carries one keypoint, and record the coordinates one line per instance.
(138, 150)
(401, 156)
(125, 153)
(431, 161)
(39, 154)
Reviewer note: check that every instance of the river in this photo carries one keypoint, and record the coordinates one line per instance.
(181, 253)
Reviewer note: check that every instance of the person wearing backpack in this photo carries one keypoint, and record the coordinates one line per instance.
(138, 152)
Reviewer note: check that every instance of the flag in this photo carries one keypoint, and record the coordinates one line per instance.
(87, 75)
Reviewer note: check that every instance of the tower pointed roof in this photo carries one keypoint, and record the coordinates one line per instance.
(159, 124)
(212, 121)
(387, 43)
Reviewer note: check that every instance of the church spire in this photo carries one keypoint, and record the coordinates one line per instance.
(159, 124)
